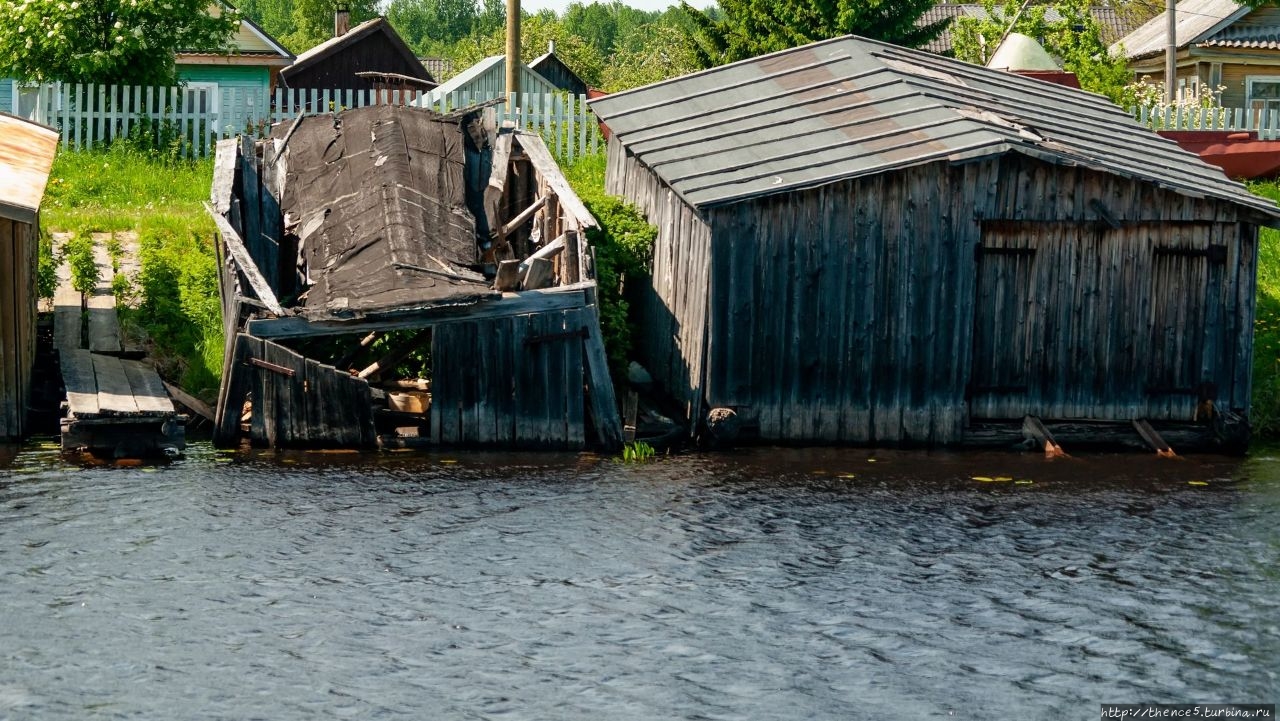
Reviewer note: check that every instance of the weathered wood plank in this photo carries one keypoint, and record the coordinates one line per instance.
(224, 174)
(195, 405)
(246, 264)
(546, 166)
(539, 275)
(601, 400)
(148, 390)
(510, 304)
(237, 383)
(79, 380)
(115, 395)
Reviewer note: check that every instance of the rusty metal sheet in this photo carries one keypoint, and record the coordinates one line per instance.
(26, 156)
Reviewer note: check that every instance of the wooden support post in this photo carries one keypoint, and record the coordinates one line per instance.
(523, 217)
(1153, 439)
(540, 274)
(600, 397)
(508, 278)
(1035, 430)
(396, 354)
(630, 408)
(571, 267)
(548, 251)
(237, 381)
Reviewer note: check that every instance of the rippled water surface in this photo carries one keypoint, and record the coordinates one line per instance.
(762, 584)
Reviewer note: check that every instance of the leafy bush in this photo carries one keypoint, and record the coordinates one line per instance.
(1265, 412)
(623, 246)
(47, 268)
(78, 252)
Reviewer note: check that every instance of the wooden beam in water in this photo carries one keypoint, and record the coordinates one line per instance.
(1034, 429)
(196, 405)
(1152, 438)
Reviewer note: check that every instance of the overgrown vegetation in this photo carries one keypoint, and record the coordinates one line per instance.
(77, 253)
(623, 245)
(1265, 415)
(159, 198)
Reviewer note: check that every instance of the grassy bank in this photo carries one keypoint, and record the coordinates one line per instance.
(124, 189)
(1266, 334)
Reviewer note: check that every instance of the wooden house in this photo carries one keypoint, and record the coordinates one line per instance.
(362, 58)
(553, 68)
(351, 242)
(1220, 44)
(26, 156)
(488, 79)
(863, 243)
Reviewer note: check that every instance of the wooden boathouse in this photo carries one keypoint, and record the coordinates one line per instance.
(394, 277)
(867, 244)
(26, 156)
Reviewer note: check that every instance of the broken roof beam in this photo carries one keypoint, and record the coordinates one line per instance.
(244, 262)
(510, 304)
(546, 166)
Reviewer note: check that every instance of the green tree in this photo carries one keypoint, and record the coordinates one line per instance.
(313, 21)
(649, 54)
(755, 27)
(431, 23)
(1075, 39)
(129, 42)
(536, 32)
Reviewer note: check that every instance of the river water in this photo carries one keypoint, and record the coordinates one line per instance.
(758, 584)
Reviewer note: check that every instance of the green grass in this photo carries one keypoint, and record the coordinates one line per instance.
(1265, 414)
(124, 189)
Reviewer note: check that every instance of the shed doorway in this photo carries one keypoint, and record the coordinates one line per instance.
(1076, 321)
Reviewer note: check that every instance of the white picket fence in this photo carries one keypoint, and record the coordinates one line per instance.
(192, 119)
(1266, 123)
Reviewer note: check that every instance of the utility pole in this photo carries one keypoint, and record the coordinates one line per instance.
(513, 54)
(1171, 52)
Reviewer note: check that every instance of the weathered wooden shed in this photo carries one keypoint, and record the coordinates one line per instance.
(557, 72)
(26, 156)
(864, 243)
(361, 59)
(353, 242)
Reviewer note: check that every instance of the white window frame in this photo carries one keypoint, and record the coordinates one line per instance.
(1268, 103)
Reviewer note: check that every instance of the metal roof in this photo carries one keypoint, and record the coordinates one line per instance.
(26, 156)
(1196, 21)
(488, 78)
(1261, 37)
(849, 107)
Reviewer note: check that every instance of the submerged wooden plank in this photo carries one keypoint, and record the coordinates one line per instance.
(601, 400)
(115, 395)
(80, 381)
(189, 401)
(148, 390)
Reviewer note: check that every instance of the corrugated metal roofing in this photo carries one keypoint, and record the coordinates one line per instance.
(1246, 36)
(849, 107)
(1196, 21)
(26, 156)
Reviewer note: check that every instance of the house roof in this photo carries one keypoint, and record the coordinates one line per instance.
(249, 39)
(1197, 21)
(548, 63)
(26, 156)
(1109, 19)
(489, 77)
(851, 107)
(363, 31)
(1019, 52)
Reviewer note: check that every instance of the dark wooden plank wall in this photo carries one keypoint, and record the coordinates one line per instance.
(18, 250)
(675, 306)
(862, 311)
(838, 314)
(1100, 297)
(516, 382)
(315, 406)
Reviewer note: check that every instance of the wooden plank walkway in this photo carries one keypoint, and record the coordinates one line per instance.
(113, 404)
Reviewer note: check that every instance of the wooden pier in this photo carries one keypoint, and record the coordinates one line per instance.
(115, 405)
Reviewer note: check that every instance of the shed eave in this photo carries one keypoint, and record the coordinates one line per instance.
(18, 213)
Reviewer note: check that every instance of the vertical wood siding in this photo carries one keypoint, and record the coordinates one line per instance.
(675, 304)
(838, 314)
(17, 324)
(897, 307)
(515, 382)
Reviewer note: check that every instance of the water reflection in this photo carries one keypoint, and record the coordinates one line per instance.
(757, 584)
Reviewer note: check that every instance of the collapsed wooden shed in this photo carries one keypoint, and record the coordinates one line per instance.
(26, 156)
(864, 243)
(355, 244)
